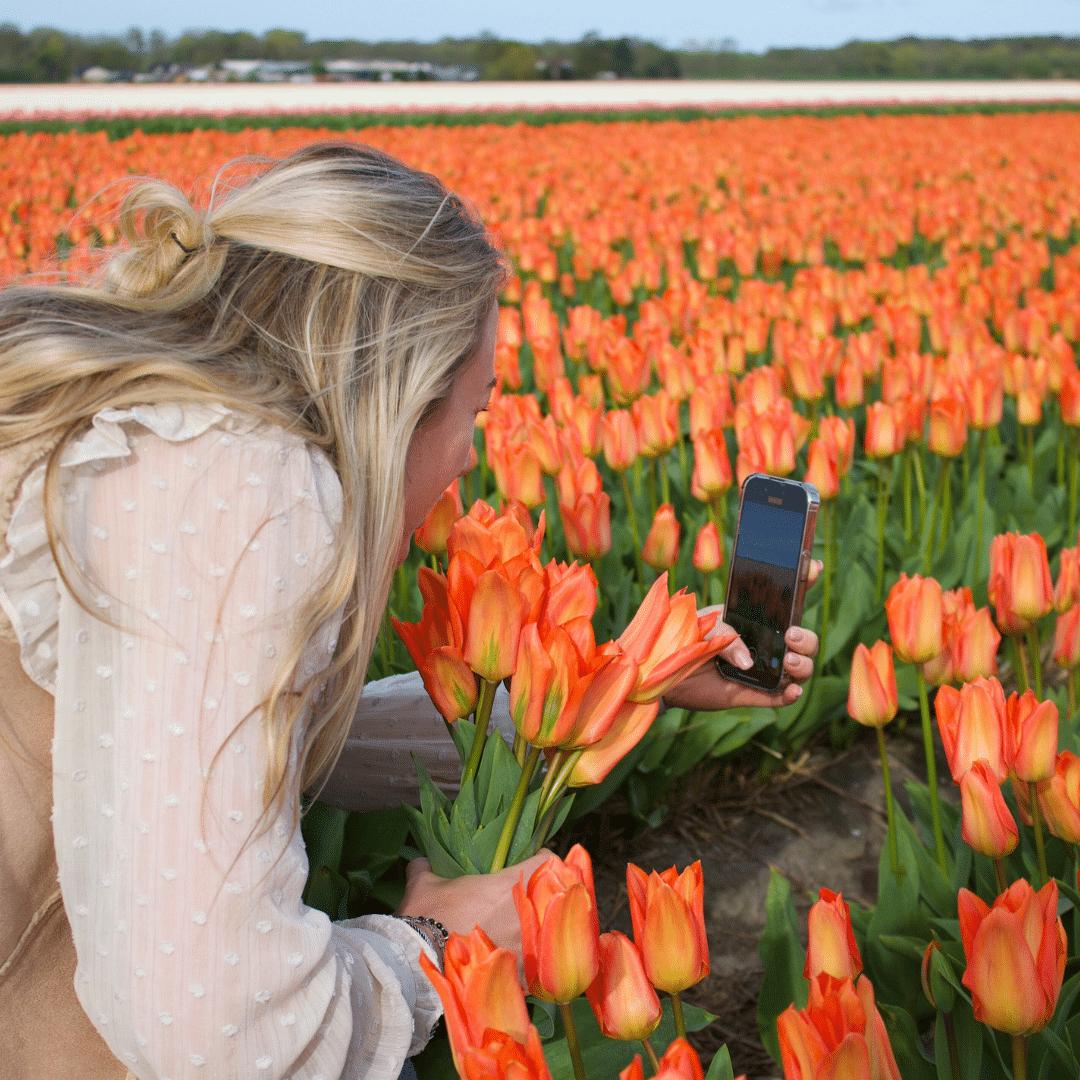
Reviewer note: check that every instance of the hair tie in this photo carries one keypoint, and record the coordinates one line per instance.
(185, 250)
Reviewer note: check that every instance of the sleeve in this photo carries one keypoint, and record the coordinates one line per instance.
(395, 723)
(195, 956)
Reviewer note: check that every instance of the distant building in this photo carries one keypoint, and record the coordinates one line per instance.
(98, 74)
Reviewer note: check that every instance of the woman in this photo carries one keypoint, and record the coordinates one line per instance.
(212, 462)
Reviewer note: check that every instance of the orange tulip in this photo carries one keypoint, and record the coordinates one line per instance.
(1069, 398)
(629, 727)
(434, 530)
(496, 612)
(668, 915)
(435, 645)
(666, 638)
(914, 610)
(480, 992)
(618, 436)
(1031, 737)
(872, 697)
(822, 469)
(839, 433)
(1015, 953)
(831, 946)
(587, 525)
(971, 721)
(1059, 798)
(840, 1034)
(712, 465)
(661, 547)
(885, 430)
(1067, 639)
(565, 692)
(708, 551)
(1067, 586)
(680, 1062)
(985, 397)
(501, 1057)
(622, 998)
(559, 927)
(974, 646)
(657, 420)
(948, 427)
(1020, 587)
(986, 824)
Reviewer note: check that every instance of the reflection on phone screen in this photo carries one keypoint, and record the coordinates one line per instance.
(764, 577)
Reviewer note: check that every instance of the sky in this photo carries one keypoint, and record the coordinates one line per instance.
(754, 26)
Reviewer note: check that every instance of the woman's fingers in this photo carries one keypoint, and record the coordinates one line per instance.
(802, 641)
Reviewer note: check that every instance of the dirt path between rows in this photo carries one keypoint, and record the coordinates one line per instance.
(819, 820)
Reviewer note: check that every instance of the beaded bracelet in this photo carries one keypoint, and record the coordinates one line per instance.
(431, 930)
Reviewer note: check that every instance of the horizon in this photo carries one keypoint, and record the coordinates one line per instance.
(682, 24)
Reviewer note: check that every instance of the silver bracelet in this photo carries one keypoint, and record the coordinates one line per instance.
(431, 930)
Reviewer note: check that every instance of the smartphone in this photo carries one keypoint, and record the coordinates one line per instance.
(770, 565)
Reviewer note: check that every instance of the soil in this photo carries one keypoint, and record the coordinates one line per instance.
(819, 819)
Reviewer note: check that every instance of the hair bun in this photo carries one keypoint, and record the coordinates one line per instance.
(163, 230)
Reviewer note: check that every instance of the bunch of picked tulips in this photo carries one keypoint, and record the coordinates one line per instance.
(994, 948)
(500, 615)
(566, 956)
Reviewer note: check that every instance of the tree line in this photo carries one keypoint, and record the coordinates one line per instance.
(46, 54)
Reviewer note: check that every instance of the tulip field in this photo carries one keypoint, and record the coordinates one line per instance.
(886, 306)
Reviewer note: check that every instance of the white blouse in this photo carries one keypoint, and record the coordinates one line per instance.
(200, 531)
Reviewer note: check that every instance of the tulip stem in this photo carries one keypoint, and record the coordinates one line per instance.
(506, 837)
(1020, 665)
(890, 813)
(651, 1054)
(920, 484)
(931, 770)
(665, 487)
(980, 507)
(1036, 659)
(680, 1020)
(882, 514)
(1070, 690)
(635, 534)
(1074, 477)
(1029, 447)
(999, 875)
(951, 1045)
(572, 1040)
(651, 481)
(908, 454)
(936, 514)
(1040, 841)
(1019, 1056)
(482, 714)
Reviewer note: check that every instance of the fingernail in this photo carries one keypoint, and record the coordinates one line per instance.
(798, 692)
(740, 657)
(795, 635)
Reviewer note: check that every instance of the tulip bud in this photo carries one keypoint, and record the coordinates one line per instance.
(831, 945)
(1031, 736)
(971, 721)
(618, 436)
(987, 826)
(559, 927)
(1067, 587)
(884, 430)
(661, 548)
(822, 470)
(1019, 586)
(667, 912)
(914, 610)
(936, 983)
(712, 465)
(974, 647)
(434, 530)
(708, 551)
(587, 525)
(1067, 639)
(872, 697)
(495, 617)
(622, 998)
(1059, 798)
(1015, 955)
(948, 427)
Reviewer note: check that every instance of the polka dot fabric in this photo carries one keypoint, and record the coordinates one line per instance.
(199, 531)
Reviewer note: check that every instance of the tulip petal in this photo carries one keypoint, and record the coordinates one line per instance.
(1002, 978)
(567, 951)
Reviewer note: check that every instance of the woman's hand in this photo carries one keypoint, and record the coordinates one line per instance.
(707, 690)
(484, 900)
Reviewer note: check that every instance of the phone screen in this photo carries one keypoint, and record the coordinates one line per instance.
(764, 576)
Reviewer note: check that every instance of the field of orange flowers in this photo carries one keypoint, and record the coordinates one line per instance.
(888, 307)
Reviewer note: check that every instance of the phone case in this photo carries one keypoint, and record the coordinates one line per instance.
(813, 505)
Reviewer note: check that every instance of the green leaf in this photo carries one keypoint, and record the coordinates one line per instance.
(906, 1044)
(496, 778)
(783, 959)
(721, 1068)
(543, 1017)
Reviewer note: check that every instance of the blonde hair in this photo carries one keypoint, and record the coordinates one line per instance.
(336, 292)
